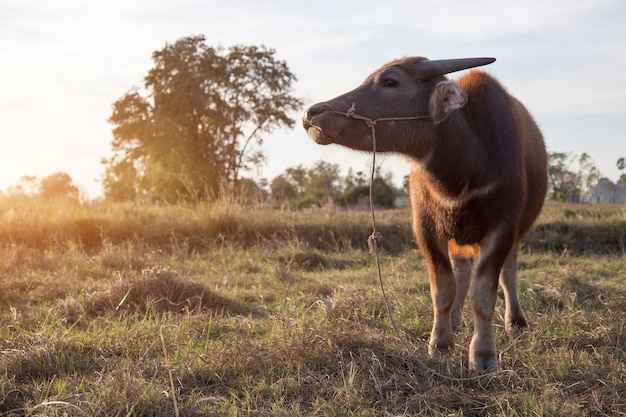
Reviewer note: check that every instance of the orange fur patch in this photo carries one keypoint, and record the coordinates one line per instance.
(463, 251)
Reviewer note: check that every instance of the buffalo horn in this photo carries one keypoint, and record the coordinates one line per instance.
(429, 69)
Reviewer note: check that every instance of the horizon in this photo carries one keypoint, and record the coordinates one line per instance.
(64, 65)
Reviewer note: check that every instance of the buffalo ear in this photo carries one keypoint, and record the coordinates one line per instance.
(446, 98)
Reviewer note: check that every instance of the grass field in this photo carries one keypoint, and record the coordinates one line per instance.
(221, 310)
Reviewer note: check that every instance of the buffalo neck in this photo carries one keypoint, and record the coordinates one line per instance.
(457, 157)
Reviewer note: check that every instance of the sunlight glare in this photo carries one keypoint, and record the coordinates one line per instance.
(9, 173)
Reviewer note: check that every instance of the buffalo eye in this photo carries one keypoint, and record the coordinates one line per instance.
(389, 82)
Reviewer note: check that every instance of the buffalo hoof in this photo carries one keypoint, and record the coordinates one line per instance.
(483, 362)
(438, 348)
(515, 323)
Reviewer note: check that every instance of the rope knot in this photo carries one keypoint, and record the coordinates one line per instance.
(352, 110)
(352, 113)
(374, 240)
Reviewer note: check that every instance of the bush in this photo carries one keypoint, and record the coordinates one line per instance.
(383, 194)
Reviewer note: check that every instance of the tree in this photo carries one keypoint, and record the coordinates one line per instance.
(605, 191)
(322, 184)
(621, 182)
(324, 181)
(383, 194)
(58, 186)
(198, 122)
(121, 181)
(564, 183)
(317, 185)
(29, 184)
(307, 187)
(588, 172)
(282, 189)
(247, 191)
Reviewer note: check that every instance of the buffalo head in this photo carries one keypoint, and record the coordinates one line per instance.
(406, 87)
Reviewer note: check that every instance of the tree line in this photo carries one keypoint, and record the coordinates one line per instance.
(322, 184)
(297, 187)
(571, 178)
(575, 178)
(195, 127)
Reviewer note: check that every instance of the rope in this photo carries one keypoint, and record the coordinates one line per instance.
(376, 238)
(372, 122)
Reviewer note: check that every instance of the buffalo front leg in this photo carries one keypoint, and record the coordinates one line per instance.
(482, 355)
(514, 315)
(442, 283)
(494, 250)
(442, 292)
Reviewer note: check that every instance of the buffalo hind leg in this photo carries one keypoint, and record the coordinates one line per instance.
(462, 268)
(514, 315)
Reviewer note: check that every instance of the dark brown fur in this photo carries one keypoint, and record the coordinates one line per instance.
(478, 182)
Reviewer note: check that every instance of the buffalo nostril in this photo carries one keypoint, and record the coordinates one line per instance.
(317, 109)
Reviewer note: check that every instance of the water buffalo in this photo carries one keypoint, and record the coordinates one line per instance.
(478, 180)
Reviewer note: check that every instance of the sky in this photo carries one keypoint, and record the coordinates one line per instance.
(63, 63)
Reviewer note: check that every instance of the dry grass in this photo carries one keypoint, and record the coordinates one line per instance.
(263, 312)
